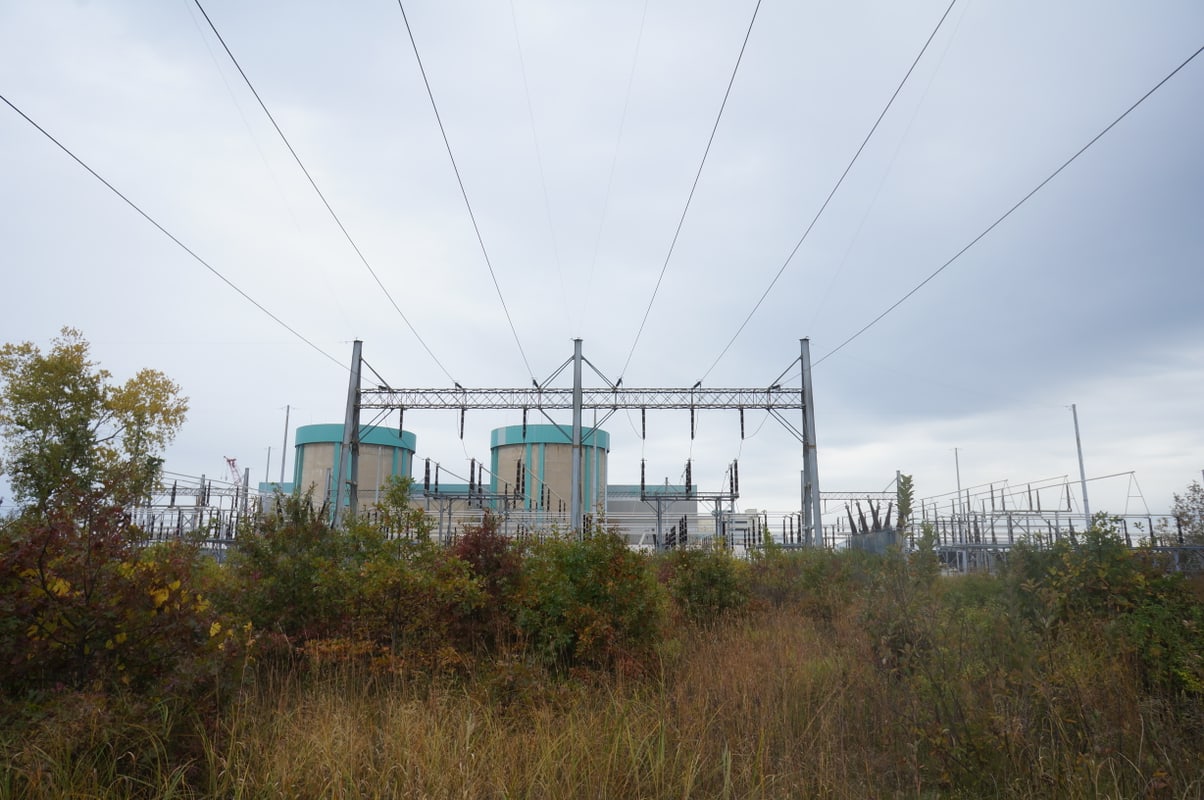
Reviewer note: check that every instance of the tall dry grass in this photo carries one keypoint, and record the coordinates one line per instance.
(752, 709)
(891, 689)
(776, 705)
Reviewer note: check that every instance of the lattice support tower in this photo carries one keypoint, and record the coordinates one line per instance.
(609, 399)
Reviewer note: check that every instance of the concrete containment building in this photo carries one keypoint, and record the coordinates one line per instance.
(383, 453)
(539, 460)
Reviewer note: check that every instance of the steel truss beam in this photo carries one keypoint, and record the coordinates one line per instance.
(679, 497)
(775, 399)
(850, 496)
(543, 398)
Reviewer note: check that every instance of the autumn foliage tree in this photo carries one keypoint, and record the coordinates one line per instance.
(84, 605)
(68, 429)
(83, 602)
(1188, 510)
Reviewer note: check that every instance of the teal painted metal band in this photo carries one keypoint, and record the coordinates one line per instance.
(333, 433)
(546, 434)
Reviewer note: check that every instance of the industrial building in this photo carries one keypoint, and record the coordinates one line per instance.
(537, 460)
(528, 482)
(383, 453)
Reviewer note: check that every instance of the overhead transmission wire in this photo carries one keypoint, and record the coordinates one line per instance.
(1010, 211)
(610, 178)
(543, 181)
(463, 191)
(832, 193)
(347, 235)
(271, 173)
(902, 141)
(170, 235)
(689, 199)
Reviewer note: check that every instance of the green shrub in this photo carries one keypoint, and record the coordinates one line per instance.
(705, 584)
(1162, 634)
(294, 574)
(590, 602)
(496, 563)
(1153, 618)
(819, 581)
(86, 606)
(420, 600)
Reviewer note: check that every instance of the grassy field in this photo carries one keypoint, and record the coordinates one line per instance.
(1077, 674)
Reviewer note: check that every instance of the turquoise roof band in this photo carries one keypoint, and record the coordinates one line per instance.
(333, 434)
(546, 434)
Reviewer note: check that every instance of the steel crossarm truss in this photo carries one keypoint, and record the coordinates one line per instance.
(848, 497)
(676, 497)
(775, 399)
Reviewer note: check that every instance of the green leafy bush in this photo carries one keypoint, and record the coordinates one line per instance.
(295, 575)
(497, 564)
(705, 585)
(1123, 597)
(819, 581)
(345, 594)
(419, 599)
(86, 606)
(590, 602)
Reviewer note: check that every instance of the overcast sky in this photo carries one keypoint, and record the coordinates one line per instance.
(578, 129)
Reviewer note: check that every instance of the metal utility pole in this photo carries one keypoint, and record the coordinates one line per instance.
(957, 466)
(812, 516)
(284, 450)
(1078, 443)
(246, 488)
(349, 454)
(575, 490)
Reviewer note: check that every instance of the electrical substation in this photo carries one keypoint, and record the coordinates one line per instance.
(543, 474)
(543, 477)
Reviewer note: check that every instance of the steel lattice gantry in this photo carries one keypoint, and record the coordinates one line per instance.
(543, 398)
(602, 399)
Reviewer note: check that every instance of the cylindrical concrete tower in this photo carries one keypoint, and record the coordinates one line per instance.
(384, 453)
(525, 463)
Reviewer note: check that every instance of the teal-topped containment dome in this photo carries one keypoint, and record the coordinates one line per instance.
(384, 452)
(535, 463)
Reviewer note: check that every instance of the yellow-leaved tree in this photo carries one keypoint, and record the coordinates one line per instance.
(67, 429)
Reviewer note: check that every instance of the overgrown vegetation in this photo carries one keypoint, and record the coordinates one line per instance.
(394, 666)
(373, 661)
(1188, 511)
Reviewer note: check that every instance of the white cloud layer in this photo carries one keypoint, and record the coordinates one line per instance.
(1090, 293)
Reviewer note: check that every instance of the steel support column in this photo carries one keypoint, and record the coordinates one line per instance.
(812, 514)
(350, 451)
(1078, 443)
(575, 490)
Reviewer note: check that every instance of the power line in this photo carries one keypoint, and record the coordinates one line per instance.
(321, 196)
(1008, 213)
(169, 235)
(693, 187)
(543, 181)
(610, 178)
(890, 165)
(464, 192)
(832, 193)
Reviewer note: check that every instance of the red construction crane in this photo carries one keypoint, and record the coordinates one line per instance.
(235, 477)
